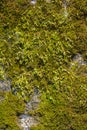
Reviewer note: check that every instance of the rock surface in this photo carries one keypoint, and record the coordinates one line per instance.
(25, 120)
(78, 60)
(5, 85)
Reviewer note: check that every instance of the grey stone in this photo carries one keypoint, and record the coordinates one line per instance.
(26, 121)
(78, 59)
(5, 85)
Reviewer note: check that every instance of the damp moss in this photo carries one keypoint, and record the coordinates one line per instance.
(64, 108)
(10, 108)
(36, 48)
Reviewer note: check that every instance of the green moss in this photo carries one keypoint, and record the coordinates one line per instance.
(66, 107)
(10, 107)
(36, 51)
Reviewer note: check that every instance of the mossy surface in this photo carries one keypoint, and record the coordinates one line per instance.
(37, 45)
(10, 108)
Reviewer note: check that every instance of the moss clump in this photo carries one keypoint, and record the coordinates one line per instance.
(64, 107)
(10, 108)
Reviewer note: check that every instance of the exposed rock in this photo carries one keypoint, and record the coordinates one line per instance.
(26, 121)
(5, 85)
(33, 104)
(78, 60)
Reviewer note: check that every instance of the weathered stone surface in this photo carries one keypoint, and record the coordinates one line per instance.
(79, 59)
(5, 85)
(25, 120)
